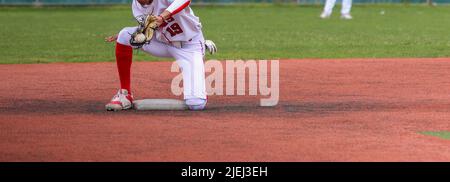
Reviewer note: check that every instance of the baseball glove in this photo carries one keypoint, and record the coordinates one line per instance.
(145, 31)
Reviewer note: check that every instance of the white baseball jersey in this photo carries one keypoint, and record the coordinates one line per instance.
(182, 26)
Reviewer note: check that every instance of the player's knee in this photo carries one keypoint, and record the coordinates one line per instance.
(196, 104)
(125, 35)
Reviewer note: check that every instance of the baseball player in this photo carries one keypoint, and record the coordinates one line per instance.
(177, 34)
(345, 11)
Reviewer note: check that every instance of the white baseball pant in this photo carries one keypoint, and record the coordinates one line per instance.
(346, 6)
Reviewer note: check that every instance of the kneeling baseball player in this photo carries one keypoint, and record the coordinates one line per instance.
(167, 28)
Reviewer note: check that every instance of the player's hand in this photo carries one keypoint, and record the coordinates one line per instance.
(161, 17)
(159, 20)
(112, 38)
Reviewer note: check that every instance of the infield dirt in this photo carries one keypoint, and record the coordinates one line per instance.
(329, 110)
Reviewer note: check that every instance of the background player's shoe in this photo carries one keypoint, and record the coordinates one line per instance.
(325, 15)
(196, 104)
(121, 101)
(346, 16)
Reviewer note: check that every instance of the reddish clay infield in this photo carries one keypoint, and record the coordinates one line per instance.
(329, 110)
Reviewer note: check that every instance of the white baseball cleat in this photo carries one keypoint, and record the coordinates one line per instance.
(325, 15)
(346, 16)
(121, 101)
(196, 104)
(211, 46)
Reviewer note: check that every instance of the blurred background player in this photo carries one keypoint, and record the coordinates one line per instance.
(179, 36)
(345, 11)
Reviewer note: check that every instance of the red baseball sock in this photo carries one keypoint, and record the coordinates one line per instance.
(124, 57)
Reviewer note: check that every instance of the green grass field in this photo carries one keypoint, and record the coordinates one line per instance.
(440, 134)
(76, 34)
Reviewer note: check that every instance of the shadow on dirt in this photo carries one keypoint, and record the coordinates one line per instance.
(57, 107)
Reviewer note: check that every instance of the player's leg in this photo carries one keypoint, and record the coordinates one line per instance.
(328, 8)
(124, 56)
(190, 60)
(158, 49)
(346, 7)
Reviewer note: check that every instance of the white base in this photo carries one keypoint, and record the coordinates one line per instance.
(159, 105)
